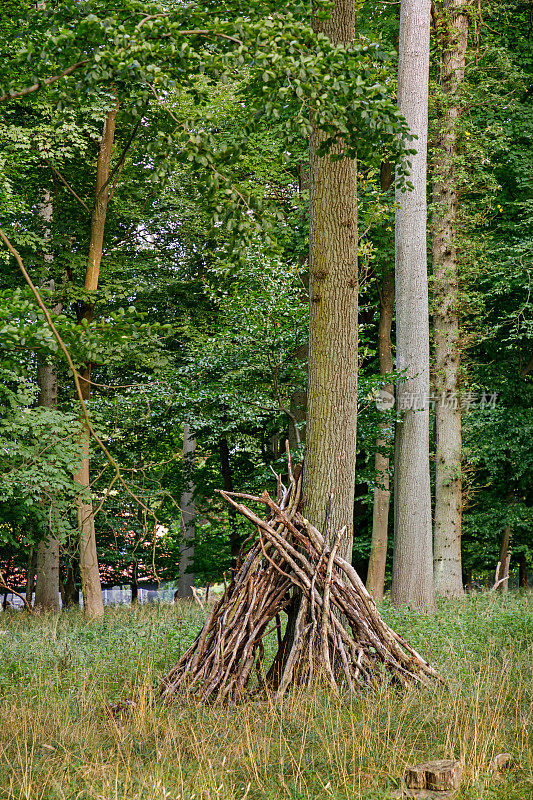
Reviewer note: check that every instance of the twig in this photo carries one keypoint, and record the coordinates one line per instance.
(69, 187)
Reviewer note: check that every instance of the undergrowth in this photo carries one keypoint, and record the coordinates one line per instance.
(59, 677)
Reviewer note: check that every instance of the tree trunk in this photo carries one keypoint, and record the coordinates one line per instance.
(30, 578)
(134, 584)
(188, 517)
(330, 436)
(47, 578)
(380, 519)
(90, 575)
(329, 472)
(504, 554)
(453, 28)
(412, 580)
(522, 570)
(227, 480)
(69, 591)
(298, 406)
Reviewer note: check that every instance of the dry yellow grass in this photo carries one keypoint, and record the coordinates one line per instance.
(58, 739)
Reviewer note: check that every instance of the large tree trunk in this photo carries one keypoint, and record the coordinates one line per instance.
(90, 575)
(412, 580)
(453, 30)
(380, 520)
(47, 578)
(329, 472)
(330, 436)
(522, 570)
(188, 517)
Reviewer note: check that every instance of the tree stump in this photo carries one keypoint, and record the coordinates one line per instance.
(433, 778)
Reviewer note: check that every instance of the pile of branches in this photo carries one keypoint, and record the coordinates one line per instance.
(335, 632)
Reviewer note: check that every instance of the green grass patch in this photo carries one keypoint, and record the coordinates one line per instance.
(58, 740)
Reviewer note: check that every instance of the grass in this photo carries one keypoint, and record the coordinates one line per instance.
(58, 741)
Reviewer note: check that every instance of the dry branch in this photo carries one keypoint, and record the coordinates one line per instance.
(339, 635)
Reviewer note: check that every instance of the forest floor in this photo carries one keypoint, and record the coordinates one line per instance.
(58, 740)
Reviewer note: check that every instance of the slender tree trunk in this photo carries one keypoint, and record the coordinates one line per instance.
(47, 578)
(329, 470)
(522, 570)
(134, 584)
(412, 580)
(453, 30)
(30, 579)
(90, 575)
(380, 519)
(188, 517)
(69, 592)
(504, 554)
(227, 480)
(298, 404)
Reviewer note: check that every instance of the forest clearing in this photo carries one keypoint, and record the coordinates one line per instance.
(266, 399)
(79, 718)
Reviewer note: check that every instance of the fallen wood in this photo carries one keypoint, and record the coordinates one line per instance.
(291, 564)
(437, 776)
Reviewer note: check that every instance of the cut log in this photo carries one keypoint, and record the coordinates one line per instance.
(438, 776)
(290, 560)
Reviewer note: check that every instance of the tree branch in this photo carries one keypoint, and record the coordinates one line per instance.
(46, 82)
(69, 187)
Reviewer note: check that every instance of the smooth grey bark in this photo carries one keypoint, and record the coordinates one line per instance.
(188, 517)
(412, 580)
(375, 581)
(330, 452)
(453, 38)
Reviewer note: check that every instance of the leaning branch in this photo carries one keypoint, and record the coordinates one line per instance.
(67, 184)
(199, 32)
(46, 82)
(74, 371)
(10, 590)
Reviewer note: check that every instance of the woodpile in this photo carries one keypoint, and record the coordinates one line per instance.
(334, 631)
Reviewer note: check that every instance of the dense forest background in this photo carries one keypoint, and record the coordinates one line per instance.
(200, 315)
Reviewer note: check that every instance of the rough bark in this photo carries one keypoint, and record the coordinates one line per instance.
(380, 518)
(188, 517)
(47, 577)
(329, 473)
(453, 37)
(412, 581)
(90, 575)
